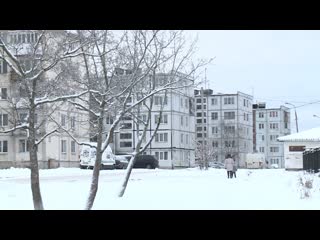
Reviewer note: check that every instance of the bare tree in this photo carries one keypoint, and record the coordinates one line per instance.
(205, 153)
(37, 60)
(120, 65)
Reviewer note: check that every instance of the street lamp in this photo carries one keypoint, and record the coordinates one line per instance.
(295, 115)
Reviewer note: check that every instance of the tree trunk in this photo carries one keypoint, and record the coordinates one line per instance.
(96, 170)
(35, 183)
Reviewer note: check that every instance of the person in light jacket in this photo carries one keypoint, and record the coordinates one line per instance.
(229, 163)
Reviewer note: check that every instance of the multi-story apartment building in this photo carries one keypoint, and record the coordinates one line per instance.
(224, 121)
(174, 143)
(269, 124)
(14, 149)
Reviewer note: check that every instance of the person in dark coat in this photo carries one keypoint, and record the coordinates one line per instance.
(234, 169)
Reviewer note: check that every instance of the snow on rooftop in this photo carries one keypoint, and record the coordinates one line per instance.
(312, 135)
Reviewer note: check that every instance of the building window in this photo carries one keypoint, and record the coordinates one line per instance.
(63, 120)
(186, 103)
(199, 107)
(199, 129)
(109, 120)
(181, 121)
(4, 120)
(214, 101)
(125, 144)
(161, 137)
(23, 117)
(63, 146)
(228, 100)
(230, 143)
(4, 93)
(229, 130)
(3, 67)
(161, 99)
(273, 125)
(274, 149)
(187, 121)
(261, 126)
(273, 137)
(73, 121)
(199, 114)
(229, 115)
(181, 138)
(215, 144)
(73, 147)
(164, 118)
(199, 120)
(4, 146)
(214, 116)
(199, 135)
(261, 115)
(125, 135)
(187, 139)
(262, 137)
(161, 155)
(23, 145)
(198, 100)
(273, 114)
(214, 130)
(261, 149)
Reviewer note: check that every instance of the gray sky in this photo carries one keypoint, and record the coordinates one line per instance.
(274, 66)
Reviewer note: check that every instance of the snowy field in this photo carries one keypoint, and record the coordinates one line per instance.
(67, 188)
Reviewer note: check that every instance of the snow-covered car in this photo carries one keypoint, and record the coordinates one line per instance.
(274, 166)
(88, 157)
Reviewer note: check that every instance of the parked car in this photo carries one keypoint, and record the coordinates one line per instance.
(146, 161)
(122, 161)
(88, 157)
(216, 165)
(274, 165)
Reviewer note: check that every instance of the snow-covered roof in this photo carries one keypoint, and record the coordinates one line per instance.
(312, 135)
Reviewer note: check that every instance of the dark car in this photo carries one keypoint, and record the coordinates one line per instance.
(146, 161)
(122, 161)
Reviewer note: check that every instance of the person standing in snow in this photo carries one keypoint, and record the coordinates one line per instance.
(229, 163)
(234, 169)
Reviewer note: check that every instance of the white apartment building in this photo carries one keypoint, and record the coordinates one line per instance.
(59, 149)
(174, 143)
(269, 125)
(224, 121)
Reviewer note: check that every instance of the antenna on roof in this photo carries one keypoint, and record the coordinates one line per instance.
(205, 78)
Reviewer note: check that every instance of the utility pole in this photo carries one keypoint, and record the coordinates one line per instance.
(296, 116)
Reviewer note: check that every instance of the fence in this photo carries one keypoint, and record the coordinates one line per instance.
(311, 160)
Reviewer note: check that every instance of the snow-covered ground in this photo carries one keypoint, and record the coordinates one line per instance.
(67, 188)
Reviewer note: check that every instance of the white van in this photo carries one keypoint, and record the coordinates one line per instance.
(88, 157)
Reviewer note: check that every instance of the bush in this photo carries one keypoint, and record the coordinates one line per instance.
(306, 184)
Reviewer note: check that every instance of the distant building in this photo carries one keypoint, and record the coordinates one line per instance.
(268, 126)
(225, 122)
(174, 144)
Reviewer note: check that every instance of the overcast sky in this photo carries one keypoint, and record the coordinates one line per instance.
(273, 66)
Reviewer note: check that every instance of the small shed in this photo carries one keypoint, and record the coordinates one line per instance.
(295, 145)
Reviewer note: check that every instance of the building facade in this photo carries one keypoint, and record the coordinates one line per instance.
(58, 149)
(224, 121)
(269, 125)
(174, 142)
